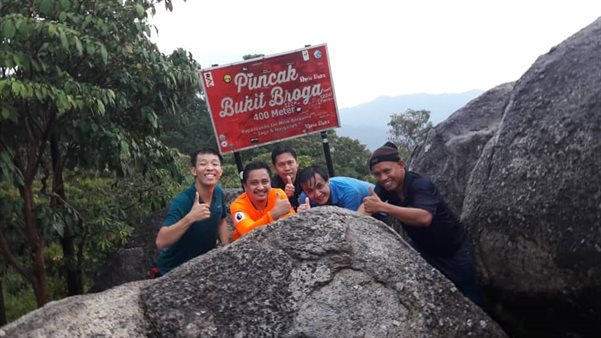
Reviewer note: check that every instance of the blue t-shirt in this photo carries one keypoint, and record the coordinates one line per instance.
(445, 234)
(345, 192)
(200, 237)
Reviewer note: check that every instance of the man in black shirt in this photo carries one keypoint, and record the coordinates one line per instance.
(434, 230)
(285, 165)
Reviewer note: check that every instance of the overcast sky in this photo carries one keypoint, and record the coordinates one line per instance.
(379, 47)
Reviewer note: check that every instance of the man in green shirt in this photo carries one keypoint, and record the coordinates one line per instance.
(196, 218)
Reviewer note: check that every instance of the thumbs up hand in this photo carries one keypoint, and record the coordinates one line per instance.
(289, 188)
(282, 206)
(372, 203)
(305, 206)
(199, 211)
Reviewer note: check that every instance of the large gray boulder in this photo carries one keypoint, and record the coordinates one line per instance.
(113, 313)
(452, 148)
(326, 273)
(533, 202)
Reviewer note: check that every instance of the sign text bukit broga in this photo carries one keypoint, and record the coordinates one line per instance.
(277, 97)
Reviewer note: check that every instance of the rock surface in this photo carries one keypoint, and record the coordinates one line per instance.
(113, 313)
(533, 202)
(326, 273)
(452, 148)
(531, 197)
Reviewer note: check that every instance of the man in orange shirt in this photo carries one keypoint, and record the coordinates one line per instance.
(259, 204)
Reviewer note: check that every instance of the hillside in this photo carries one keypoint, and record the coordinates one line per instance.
(367, 122)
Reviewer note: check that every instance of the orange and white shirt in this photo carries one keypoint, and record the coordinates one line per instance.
(246, 217)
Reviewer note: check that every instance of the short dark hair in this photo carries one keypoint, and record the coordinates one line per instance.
(203, 151)
(281, 149)
(309, 172)
(255, 165)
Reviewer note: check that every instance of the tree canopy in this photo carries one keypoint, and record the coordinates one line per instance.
(81, 84)
(349, 157)
(408, 130)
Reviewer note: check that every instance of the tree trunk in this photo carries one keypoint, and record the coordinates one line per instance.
(72, 272)
(2, 305)
(39, 282)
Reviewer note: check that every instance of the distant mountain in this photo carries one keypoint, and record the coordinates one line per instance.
(367, 122)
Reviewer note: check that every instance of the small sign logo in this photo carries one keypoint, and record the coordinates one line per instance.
(305, 55)
(209, 79)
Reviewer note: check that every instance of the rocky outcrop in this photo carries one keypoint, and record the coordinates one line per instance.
(113, 313)
(533, 202)
(531, 197)
(452, 148)
(326, 273)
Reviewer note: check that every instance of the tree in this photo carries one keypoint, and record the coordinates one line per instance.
(408, 130)
(190, 129)
(81, 84)
(349, 157)
(2, 307)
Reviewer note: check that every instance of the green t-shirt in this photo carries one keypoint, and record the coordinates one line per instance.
(200, 238)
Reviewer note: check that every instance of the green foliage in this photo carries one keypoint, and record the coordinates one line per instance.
(18, 295)
(408, 130)
(230, 177)
(81, 86)
(109, 207)
(349, 157)
(10, 203)
(190, 129)
(98, 81)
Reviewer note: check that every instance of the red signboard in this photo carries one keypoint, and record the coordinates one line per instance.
(272, 98)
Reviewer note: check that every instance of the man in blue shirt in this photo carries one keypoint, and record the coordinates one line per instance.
(345, 192)
(196, 218)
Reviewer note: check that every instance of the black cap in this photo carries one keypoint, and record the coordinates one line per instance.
(387, 152)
